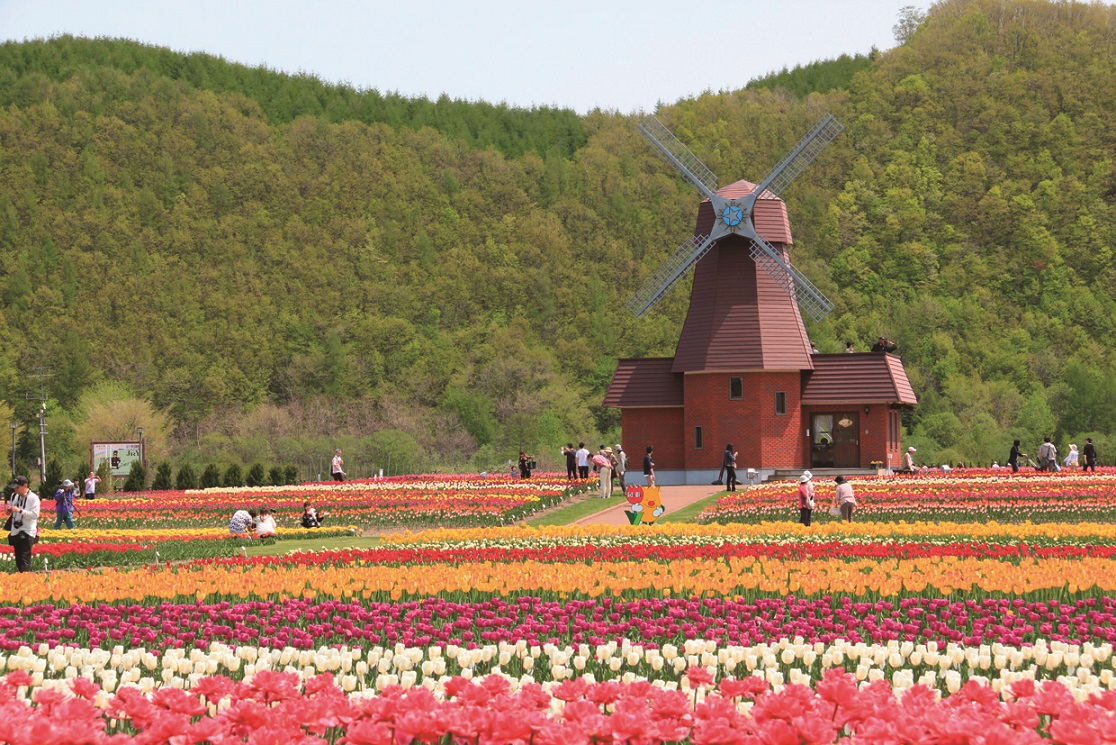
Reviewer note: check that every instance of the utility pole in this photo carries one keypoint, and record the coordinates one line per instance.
(42, 373)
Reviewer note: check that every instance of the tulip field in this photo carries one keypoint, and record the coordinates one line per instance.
(978, 608)
(973, 496)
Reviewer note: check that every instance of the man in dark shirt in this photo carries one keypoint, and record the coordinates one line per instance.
(1090, 453)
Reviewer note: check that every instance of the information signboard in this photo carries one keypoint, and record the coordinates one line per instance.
(120, 455)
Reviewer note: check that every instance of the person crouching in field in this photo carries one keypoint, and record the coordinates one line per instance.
(265, 526)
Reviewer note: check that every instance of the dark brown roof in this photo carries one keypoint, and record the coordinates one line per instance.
(769, 215)
(646, 382)
(861, 378)
(739, 319)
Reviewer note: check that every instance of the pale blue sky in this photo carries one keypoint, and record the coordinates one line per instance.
(577, 53)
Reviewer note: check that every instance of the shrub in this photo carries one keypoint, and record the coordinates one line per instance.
(162, 480)
(291, 474)
(104, 473)
(232, 476)
(137, 478)
(211, 477)
(53, 479)
(186, 478)
(275, 476)
(256, 475)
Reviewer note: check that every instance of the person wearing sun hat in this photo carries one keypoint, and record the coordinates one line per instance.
(64, 505)
(806, 502)
(908, 460)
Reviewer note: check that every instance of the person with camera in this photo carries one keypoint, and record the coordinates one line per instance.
(310, 516)
(526, 463)
(23, 522)
(64, 505)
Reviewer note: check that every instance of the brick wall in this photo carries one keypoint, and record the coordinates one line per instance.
(763, 438)
(661, 427)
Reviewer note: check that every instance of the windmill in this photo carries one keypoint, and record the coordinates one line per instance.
(733, 216)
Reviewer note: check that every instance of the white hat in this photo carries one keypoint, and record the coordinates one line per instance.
(618, 446)
(911, 450)
(806, 476)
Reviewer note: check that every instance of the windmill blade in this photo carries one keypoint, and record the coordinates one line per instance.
(688, 164)
(801, 155)
(668, 274)
(792, 281)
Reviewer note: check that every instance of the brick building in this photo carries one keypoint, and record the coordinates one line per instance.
(743, 373)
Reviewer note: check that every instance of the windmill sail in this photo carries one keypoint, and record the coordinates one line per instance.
(793, 282)
(801, 155)
(688, 164)
(668, 273)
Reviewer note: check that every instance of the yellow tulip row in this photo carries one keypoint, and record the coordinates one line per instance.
(721, 577)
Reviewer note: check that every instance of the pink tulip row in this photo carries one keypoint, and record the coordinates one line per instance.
(276, 708)
(307, 624)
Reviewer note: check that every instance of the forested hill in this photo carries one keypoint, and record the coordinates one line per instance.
(228, 241)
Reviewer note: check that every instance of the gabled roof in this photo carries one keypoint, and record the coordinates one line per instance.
(769, 215)
(739, 319)
(645, 382)
(860, 378)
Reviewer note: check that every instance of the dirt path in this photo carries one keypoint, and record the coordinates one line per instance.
(674, 499)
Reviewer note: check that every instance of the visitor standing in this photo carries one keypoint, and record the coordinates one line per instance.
(908, 460)
(1071, 457)
(571, 461)
(524, 465)
(729, 463)
(649, 466)
(337, 467)
(845, 499)
(582, 456)
(23, 511)
(1013, 456)
(1048, 455)
(806, 501)
(621, 465)
(91, 482)
(64, 505)
(1090, 453)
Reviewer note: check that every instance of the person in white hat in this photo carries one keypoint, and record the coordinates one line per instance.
(806, 502)
(64, 505)
(621, 459)
(908, 459)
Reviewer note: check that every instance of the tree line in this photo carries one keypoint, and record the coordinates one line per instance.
(267, 266)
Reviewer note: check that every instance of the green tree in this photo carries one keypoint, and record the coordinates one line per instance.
(211, 477)
(256, 475)
(163, 477)
(137, 478)
(186, 478)
(232, 476)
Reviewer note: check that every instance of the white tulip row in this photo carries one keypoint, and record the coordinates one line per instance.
(1085, 669)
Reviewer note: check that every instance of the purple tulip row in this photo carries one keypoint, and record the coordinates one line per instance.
(650, 622)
